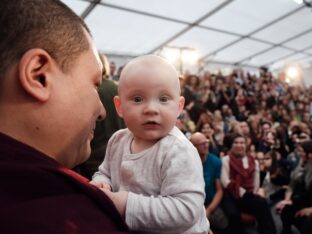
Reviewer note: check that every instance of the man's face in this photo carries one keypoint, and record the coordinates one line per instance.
(150, 102)
(201, 143)
(265, 128)
(245, 128)
(301, 152)
(260, 158)
(202, 148)
(76, 107)
(112, 68)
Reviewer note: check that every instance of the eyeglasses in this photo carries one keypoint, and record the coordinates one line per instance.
(206, 142)
(265, 158)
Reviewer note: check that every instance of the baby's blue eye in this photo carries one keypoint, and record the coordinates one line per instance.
(137, 99)
(163, 99)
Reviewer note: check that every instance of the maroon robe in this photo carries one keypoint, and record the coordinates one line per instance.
(38, 195)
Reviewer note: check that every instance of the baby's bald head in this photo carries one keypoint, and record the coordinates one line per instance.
(145, 66)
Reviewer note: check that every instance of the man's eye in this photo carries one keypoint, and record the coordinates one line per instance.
(137, 99)
(164, 99)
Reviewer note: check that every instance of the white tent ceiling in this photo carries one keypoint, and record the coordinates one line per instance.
(234, 32)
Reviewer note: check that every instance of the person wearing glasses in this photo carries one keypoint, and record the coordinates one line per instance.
(213, 188)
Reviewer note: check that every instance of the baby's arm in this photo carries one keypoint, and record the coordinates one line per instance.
(101, 185)
(119, 199)
(102, 178)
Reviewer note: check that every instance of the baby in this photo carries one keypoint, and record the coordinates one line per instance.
(152, 160)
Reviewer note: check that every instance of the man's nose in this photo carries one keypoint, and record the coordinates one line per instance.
(102, 113)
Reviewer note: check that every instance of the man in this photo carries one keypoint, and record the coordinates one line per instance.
(213, 187)
(49, 75)
(112, 69)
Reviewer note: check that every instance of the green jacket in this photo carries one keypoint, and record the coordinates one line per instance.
(105, 129)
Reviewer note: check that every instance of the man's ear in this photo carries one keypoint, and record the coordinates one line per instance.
(34, 68)
(181, 104)
(118, 106)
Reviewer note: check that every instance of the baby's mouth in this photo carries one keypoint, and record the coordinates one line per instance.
(151, 124)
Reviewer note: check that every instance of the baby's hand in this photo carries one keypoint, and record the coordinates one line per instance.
(101, 185)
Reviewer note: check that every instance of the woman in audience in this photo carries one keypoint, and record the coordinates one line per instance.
(296, 208)
(276, 179)
(240, 178)
(208, 131)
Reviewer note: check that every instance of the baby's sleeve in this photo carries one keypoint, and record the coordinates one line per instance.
(103, 173)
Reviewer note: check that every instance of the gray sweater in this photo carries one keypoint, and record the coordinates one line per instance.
(165, 183)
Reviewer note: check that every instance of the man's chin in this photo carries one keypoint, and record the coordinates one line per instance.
(85, 156)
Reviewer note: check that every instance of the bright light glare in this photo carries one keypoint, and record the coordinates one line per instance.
(172, 55)
(292, 72)
(190, 56)
(298, 1)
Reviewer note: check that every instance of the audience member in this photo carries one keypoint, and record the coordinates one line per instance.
(296, 208)
(208, 131)
(240, 178)
(213, 188)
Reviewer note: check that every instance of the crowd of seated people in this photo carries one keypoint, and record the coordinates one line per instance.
(273, 117)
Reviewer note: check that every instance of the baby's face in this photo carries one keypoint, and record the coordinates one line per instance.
(150, 101)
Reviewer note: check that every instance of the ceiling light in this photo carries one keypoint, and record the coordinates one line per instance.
(292, 72)
(298, 1)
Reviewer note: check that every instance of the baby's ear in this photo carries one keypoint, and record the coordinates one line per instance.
(181, 104)
(117, 104)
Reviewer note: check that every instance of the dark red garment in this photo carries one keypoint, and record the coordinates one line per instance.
(38, 195)
(239, 176)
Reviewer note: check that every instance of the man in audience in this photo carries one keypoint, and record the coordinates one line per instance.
(213, 188)
(49, 75)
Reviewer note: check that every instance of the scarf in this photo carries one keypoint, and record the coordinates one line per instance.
(239, 176)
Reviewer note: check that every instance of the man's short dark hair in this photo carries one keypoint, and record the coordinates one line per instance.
(45, 24)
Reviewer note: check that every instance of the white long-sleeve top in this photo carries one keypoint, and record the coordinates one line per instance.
(225, 174)
(165, 183)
